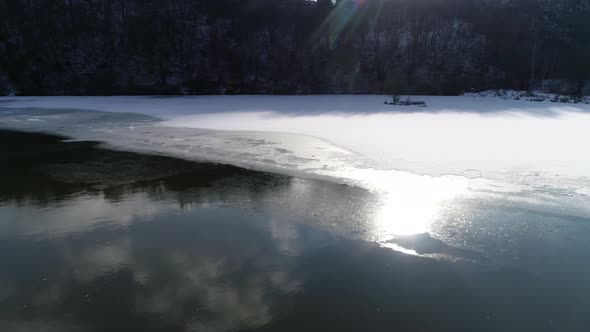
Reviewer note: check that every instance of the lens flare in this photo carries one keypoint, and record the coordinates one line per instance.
(346, 16)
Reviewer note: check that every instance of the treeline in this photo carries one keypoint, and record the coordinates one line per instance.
(56, 47)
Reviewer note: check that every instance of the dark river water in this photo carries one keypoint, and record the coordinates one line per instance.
(100, 240)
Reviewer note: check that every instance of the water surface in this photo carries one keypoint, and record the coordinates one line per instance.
(100, 240)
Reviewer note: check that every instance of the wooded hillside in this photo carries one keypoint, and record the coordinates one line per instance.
(55, 47)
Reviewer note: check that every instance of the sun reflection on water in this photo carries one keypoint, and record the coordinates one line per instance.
(411, 202)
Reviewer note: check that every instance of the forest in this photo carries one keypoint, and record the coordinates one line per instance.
(440, 47)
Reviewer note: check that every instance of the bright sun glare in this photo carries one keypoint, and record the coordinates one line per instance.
(411, 203)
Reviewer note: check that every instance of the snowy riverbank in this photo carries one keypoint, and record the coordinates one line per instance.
(535, 96)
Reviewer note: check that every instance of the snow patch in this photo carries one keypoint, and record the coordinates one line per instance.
(535, 96)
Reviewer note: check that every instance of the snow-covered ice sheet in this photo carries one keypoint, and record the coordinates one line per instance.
(529, 153)
(454, 135)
